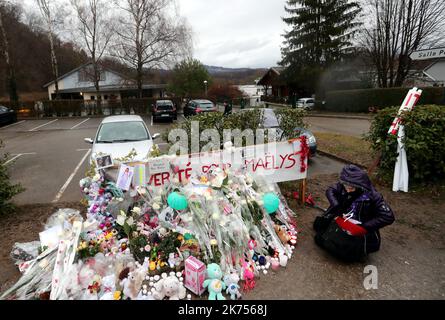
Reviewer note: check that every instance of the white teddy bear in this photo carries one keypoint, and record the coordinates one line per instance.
(231, 281)
(169, 287)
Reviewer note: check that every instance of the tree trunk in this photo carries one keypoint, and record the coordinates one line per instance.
(139, 81)
(54, 63)
(97, 86)
(11, 80)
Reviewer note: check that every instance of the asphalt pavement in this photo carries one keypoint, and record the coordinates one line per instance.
(49, 156)
(344, 126)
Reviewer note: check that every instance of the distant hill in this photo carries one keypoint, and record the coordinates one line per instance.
(236, 75)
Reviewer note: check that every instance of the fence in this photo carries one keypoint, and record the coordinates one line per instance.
(77, 108)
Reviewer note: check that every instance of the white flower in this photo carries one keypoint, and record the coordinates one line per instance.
(156, 206)
(120, 220)
(96, 177)
(136, 210)
(130, 221)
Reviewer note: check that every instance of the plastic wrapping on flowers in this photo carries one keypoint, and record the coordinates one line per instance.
(134, 245)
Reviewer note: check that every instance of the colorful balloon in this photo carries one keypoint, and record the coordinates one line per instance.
(271, 202)
(177, 201)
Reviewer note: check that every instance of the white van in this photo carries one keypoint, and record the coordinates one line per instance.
(306, 103)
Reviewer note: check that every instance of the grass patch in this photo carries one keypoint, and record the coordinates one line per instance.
(350, 148)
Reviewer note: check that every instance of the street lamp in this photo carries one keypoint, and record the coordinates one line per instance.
(205, 86)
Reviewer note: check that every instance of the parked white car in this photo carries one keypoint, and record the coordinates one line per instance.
(306, 103)
(118, 135)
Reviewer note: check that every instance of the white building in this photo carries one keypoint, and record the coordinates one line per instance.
(436, 72)
(254, 93)
(77, 84)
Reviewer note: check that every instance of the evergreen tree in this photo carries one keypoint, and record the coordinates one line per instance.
(188, 78)
(7, 190)
(320, 35)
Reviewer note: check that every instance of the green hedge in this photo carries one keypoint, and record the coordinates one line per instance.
(361, 100)
(424, 143)
(289, 120)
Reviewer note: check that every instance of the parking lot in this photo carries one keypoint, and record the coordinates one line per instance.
(49, 156)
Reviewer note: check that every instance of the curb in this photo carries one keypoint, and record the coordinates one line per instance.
(338, 116)
(333, 156)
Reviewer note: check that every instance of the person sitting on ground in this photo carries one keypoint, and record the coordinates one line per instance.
(349, 229)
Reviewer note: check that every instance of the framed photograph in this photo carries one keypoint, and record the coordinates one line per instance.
(125, 177)
(103, 161)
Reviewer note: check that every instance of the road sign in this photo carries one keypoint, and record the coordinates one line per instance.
(428, 54)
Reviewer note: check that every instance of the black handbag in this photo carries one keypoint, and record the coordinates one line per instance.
(322, 222)
(341, 244)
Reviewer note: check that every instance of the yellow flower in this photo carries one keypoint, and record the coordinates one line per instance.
(109, 236)
(213, 242)
(117, 295)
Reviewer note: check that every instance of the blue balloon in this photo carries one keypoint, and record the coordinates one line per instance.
(177, 201)
(271, 202)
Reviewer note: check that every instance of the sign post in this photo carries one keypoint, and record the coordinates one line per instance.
(428, 54)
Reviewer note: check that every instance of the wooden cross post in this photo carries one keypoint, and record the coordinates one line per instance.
(302, 191)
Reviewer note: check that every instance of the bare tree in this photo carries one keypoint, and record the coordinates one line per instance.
(398, 28)
(148, 37)
(46, 9)
(95, 29)
(5, 49)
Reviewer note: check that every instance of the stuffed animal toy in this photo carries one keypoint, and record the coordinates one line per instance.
(214, 284)
(169, 287)
(231, 281)
(249, 277)
(282, 234)
(132, 284)
(108, 287)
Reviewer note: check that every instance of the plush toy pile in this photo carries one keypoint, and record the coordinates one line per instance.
(217, 232)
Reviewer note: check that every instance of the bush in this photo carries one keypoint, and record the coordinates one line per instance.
(424, 143)
(361, 100)
(7, 190)
(288, 120)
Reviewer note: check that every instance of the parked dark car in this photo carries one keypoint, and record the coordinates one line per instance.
(7, 116)
(194, 107)
(165, 110)
(270, 121)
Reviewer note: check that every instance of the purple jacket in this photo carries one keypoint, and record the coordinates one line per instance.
(372, 210)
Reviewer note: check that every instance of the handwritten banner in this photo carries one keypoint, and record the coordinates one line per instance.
(277, 162)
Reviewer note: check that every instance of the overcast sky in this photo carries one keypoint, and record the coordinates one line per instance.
(232, 33)
(236, 33)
